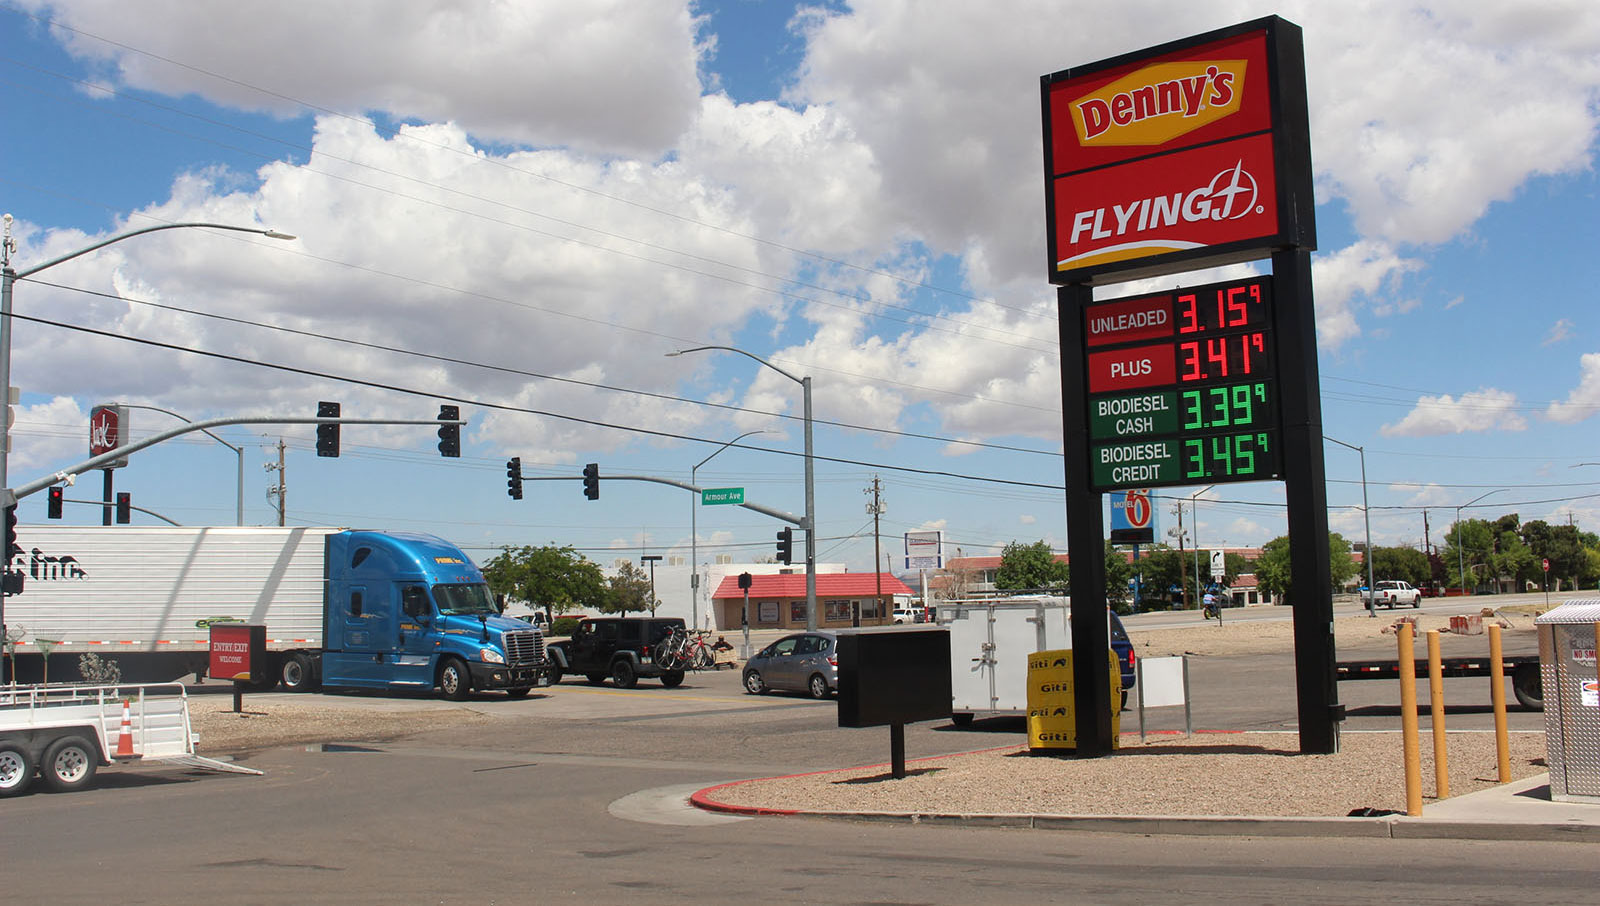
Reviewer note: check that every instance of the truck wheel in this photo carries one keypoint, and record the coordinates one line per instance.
(518, 693)
(595, 679)
(622, 674)
(455, 681)
(299, 674)
(1416, 603)
(961, 718)
(1528, 686)
(672, 679)
(69, 764)
(553, 672)
(16, 769)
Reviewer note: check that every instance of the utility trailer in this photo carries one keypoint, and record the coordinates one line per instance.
(1523, 669)
(65, 733)
(990, 640)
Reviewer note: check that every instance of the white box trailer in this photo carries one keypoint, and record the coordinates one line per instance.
(145, 596)
(990, 640)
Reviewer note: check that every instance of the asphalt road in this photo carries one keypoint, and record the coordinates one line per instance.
(576, 796)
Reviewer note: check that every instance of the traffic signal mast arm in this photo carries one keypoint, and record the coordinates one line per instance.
(9, 496)
(798, 521)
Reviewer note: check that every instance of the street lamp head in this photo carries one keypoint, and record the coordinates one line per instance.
(274, 234)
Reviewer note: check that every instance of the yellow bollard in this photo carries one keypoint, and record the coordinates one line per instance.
(1497, 694)
(1408, 721)
(1441, 756)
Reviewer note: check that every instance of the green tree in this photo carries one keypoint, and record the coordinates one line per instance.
(1029, 567)
(629, 590)
(1274, 575)
(1468, 545)
(1160, 569)
(1562, 545)
(1403, 563)
(559, 579)
(1118, 572)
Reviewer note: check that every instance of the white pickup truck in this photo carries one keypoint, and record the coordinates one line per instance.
(1391, 594)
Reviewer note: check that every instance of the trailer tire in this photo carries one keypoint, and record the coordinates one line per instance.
(16, 770)
(962, 718)
(299, 673)
(455, 680)
(595, 679)
(69, 764)
(518, 693)
(1528, 686)
(672, 679)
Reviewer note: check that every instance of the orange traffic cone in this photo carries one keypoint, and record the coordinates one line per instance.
(125, 739)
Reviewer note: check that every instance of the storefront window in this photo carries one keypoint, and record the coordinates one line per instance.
(797, 613)
(838, 611)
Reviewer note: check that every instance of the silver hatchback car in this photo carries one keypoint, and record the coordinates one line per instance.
(803, 662)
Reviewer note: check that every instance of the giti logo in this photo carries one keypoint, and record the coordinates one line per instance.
(1050, 712)
(1061, 662)
(1055, 687)
(1156, 104)
(1057, 737)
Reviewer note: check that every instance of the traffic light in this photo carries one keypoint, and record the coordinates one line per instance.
(591, 481)
(13, 549)
(785, 545)
(53, 508)
(514, 477)
(328, 435)
(449, 435)
(124, 507)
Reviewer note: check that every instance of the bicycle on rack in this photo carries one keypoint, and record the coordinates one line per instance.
(681, 650)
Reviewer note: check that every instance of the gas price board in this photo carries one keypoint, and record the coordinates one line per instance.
(1182, 387)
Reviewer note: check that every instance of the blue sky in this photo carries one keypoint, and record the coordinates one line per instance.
(547, 198)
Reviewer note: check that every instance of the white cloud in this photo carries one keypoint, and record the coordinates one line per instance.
(1479, 410)
(1560, 332)
(604, 75)
(1026, 519)
(907, 136)
(1584, 400)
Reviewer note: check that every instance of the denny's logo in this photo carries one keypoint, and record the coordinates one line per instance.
(1158, 103)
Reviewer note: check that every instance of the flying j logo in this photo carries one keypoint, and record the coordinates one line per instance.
(1219, 195)
(1159, 103)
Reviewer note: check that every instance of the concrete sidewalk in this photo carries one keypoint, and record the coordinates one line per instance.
(1521, 810)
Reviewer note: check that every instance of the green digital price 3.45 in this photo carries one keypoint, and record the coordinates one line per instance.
(1228, 406)
(1248, 455)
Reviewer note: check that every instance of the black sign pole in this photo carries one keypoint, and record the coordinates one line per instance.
(1305, 487)
(1091, 637)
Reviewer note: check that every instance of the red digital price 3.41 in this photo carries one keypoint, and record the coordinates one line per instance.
(1239, 355)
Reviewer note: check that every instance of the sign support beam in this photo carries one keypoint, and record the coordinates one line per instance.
(1091, 682)
(1306, 492)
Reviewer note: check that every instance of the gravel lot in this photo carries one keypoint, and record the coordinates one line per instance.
(1208, 774)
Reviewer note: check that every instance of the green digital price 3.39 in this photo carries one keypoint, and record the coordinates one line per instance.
(1229, 406)
(1248, 455)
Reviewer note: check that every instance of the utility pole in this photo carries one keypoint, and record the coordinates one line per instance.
(1427, 539)
(1181, 583)
(876, 509)
(276, 495)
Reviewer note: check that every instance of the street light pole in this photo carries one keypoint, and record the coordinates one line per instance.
(651, 559)
(8, 277)
(810, 477)
(1366, 515)
(694, 533)
(1461, 556)
(1194, 510)
(237, 451)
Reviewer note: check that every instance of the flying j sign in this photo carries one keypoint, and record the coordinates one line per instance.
(1187, 155)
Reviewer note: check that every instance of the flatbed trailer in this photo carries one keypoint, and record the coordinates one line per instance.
(66, 732)
(1523, 669)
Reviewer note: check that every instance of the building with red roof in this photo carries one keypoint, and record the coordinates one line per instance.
(779, 601)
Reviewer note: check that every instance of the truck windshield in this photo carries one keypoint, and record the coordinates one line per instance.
(468, 600)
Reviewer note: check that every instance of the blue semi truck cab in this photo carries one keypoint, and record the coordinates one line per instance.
(405, 610)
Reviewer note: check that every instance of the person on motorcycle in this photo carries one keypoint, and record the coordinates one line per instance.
(1211, 608)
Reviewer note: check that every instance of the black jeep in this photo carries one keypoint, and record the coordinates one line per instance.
(622, 648)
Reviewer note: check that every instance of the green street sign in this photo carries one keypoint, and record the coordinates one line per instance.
(714, 496)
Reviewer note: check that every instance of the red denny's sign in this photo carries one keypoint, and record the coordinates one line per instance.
(1187, 155)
